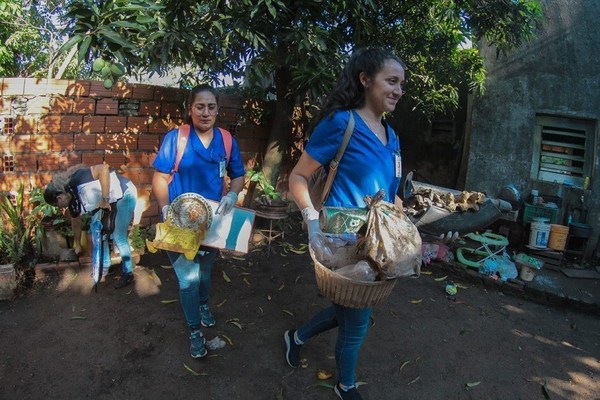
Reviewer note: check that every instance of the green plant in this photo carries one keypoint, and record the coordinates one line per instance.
(18, 239)
(50, 215)
(137, 238)
(266, 193)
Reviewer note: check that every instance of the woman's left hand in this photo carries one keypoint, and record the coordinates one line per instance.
(227, 203)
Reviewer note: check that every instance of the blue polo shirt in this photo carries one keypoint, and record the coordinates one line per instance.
(366, 166)
(199, 167)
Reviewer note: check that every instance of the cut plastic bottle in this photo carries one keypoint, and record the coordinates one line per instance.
(361, 271)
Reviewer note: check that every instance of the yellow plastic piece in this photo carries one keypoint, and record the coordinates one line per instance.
(180, 240)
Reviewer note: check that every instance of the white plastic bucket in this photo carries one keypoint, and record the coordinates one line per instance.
(8, 281)
(540, 232)
(527, 273)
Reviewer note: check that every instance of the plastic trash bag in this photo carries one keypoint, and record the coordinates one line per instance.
(506, 268)
(489, 267)
(391, 242)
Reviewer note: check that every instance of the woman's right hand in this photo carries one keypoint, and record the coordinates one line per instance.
(317, 240)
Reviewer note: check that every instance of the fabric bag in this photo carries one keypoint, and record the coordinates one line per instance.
(392, 242)
(321, 180)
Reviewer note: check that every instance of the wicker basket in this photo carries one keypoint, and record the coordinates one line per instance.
(349, 293)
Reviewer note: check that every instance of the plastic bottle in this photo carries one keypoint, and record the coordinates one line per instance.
(535, 197)
(361, 271)
(586, 183)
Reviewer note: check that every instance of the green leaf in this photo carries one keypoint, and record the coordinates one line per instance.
(115, 38)
(144, 19)
(70, 43)
(127, 25)
(83, 48)
(321, 384)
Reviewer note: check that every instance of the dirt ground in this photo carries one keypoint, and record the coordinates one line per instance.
(62, 340)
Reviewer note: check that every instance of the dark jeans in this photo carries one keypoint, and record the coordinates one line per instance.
(352, 324)
(194, 282)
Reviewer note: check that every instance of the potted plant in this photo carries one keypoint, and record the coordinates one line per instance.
(18, 242)
(266, 198)
(54, 230)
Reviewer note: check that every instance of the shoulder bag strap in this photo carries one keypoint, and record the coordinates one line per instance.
(182, 137)
(228, 142)
(336, 161)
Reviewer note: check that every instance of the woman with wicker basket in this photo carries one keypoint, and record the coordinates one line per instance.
(369, 86)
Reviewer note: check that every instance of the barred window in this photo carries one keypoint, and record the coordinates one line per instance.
(563, 149)
(8, 163)
(7, 125)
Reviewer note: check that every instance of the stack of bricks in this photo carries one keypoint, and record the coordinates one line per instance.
(49, 125)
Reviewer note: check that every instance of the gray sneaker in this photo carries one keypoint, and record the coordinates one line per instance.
(197, 344)
(207, 319)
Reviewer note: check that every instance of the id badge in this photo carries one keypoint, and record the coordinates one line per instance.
(398, 163)
(222, 166)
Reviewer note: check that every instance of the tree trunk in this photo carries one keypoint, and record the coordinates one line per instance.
(279, 137)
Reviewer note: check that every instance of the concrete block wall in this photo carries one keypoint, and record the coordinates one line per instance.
(49, 125)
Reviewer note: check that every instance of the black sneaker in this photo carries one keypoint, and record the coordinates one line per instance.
(197, 344)
(292, 352)
(124, 280)
(350, 394)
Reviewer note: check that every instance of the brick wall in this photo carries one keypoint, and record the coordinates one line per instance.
(48, 125)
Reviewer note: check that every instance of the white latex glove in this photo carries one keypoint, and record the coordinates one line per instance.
(449, 237)
(316, 238)
(164, 211)
(226, 204)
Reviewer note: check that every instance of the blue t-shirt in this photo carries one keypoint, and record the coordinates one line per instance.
(366, 166)
(199, 169)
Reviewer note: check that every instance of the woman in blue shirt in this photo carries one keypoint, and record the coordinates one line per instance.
(369, 86)
(202, 170)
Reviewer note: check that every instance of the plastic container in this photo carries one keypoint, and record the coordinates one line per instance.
(531, 212)
(540, 232)
(558, 237)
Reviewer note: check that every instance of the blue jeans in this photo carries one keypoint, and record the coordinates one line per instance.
(194, 282)
(125, 210)
(352, 324)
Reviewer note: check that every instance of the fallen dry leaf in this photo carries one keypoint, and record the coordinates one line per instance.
(235, 323)
(323, 375)
(226, 277)
(221, 303)
(228, 339)
(194, 372)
